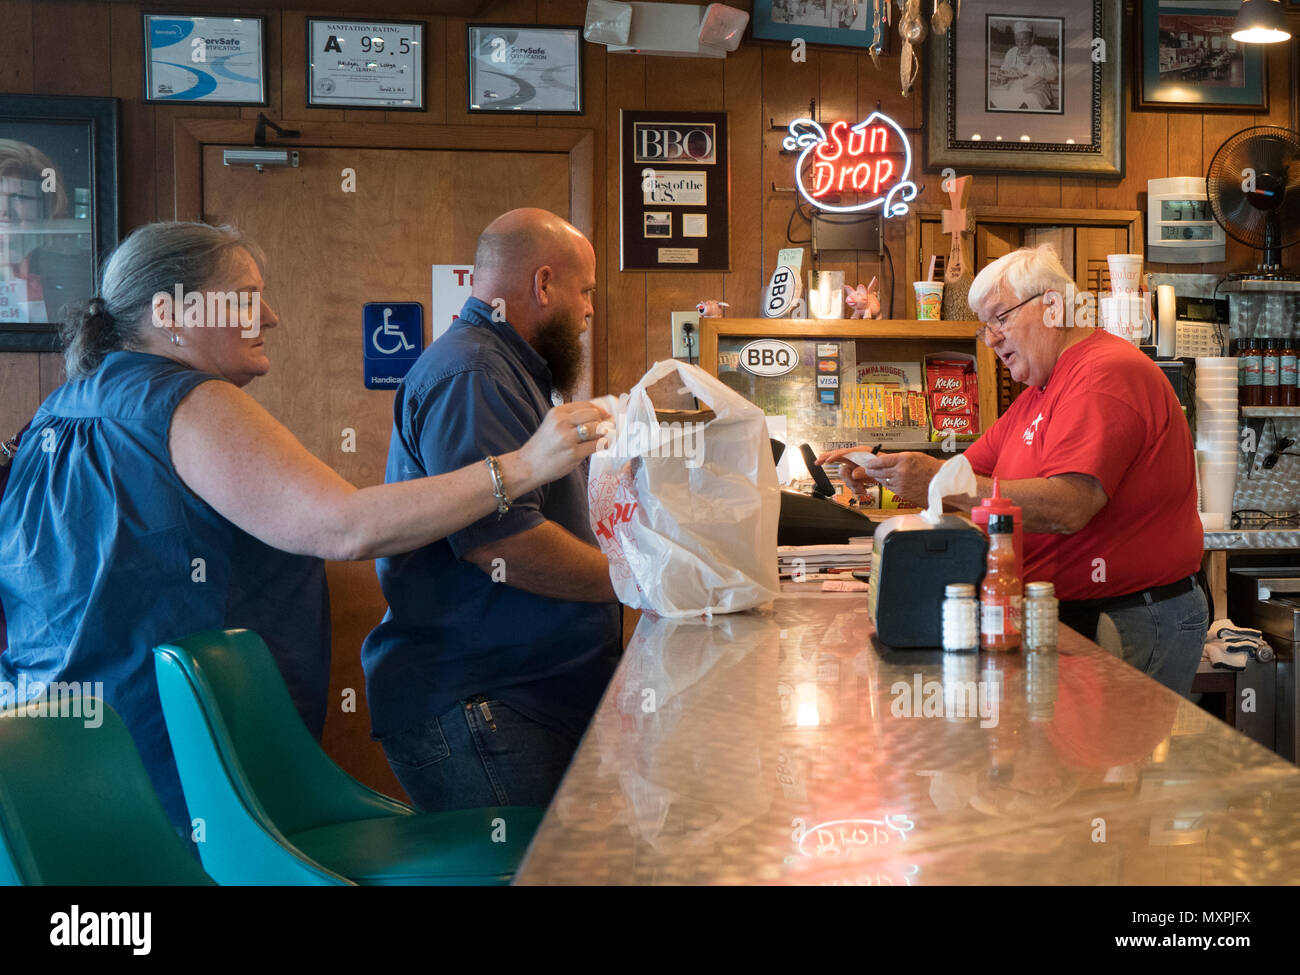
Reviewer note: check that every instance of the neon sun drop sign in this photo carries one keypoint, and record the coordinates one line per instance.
(861, 159)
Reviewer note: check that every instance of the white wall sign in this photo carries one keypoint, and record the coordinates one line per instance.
(451, 286)
(782, 292)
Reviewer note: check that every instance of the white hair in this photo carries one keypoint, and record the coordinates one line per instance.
(1023, 273)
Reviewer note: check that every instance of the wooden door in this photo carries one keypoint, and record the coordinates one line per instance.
(329, 251)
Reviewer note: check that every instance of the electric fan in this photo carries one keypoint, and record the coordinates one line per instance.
(1253, 185)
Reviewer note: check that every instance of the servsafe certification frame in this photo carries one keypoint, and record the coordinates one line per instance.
(365, 64)
(212, 60)
(524, 68)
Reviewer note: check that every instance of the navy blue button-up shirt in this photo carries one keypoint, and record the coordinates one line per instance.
(450, 631)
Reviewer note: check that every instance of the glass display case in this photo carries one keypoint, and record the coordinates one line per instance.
(903, 384)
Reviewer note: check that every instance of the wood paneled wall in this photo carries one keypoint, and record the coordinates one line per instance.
(90, 47)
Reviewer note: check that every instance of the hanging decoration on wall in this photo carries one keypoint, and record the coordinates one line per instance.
(959, 223)
(911, 28)
(853, 169)
(943, 16)
(880, 29)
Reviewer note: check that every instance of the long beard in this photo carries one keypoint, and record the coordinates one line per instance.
(559, 342)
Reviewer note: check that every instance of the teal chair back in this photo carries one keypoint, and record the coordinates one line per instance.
(251, 771)
(77, 806)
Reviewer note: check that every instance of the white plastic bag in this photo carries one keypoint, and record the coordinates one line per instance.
(687, 512)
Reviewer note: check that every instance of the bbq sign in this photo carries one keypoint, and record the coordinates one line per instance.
(769, 357)
(664, 142)
(853, 168)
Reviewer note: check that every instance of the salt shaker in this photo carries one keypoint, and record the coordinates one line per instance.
(961, 632)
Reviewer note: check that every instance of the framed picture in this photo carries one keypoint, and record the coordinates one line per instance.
(366, 64)
(674, 187)
(1188, 59)
(58, 210)
(1019, 86)
(525, 68)
(1026, 64)
(210, 60)
(843, 23)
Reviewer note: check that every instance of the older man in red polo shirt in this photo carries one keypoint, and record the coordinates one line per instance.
(1098, 455)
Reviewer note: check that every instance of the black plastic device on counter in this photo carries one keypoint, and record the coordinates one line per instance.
(911, 563)
(816, 519)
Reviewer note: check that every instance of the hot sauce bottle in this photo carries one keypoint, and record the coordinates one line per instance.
(1286, 377)
(1000, 591)
(1250, 370)
(1270, 366)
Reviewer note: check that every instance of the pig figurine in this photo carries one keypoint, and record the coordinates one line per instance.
(711, 309)
(865, 302)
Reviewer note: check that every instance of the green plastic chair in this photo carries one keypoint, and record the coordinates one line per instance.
(275, 809)
(77, 807)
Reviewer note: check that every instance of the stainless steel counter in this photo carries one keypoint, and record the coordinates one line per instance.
(781, 747)
(1247, 539)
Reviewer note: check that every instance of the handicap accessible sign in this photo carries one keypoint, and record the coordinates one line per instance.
(393, 333)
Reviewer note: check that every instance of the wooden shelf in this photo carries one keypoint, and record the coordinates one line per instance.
(1260, 412)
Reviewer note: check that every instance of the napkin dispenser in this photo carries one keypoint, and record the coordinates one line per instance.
(911, 562)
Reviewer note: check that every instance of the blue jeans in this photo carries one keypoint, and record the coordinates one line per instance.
(482, 752)
(1164, 640)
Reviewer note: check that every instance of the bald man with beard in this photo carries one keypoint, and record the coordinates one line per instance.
(500, 639)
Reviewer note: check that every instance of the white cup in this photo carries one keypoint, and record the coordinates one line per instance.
(1216, 361)
(1215, 460)
(1125, 272)
(1218, 442)
(1217, 491)
(1212, 521)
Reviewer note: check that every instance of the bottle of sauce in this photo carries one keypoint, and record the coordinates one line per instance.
(1250, 370)
(1286, 376)
(1270, 366)
(999, 505)
(1000, 592)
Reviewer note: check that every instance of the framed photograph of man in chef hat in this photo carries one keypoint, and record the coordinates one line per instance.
(1024, 64)
(1028, 86)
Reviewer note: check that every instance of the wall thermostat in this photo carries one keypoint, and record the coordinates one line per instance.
(1180, 227)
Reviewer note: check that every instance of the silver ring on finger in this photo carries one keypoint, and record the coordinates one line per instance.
(584, 433)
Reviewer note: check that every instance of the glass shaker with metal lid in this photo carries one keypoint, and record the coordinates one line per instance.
(1041, 623)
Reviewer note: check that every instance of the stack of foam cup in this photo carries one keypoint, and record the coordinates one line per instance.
(1217, 444)
(1120, 312)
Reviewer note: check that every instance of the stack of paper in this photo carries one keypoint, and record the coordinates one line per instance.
(810, 560)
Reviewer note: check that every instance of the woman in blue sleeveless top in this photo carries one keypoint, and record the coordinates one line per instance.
(152, 498)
